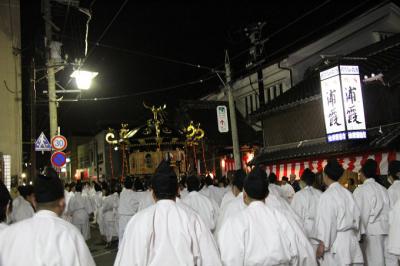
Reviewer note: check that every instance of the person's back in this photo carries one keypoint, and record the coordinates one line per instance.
(22, 209)
(337, 221)
(204, 207)
(127, 207)
(167, 233)
(45, 239)
(56, 241)
(148, 237)
(79, 208)
(373, 202)
(305, 203)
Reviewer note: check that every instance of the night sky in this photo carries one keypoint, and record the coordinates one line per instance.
(196, 33)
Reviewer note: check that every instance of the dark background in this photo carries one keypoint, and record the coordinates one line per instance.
(196, 33)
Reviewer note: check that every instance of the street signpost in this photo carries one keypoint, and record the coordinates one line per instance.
(59, 143)
(58, 159)
(42, 143)
(222, 119)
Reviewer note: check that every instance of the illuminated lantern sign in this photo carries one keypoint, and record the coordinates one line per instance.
(343, 103)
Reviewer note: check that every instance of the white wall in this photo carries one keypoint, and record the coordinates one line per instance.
(10, 95)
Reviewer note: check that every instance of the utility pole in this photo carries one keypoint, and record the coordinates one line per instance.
(232, 114)
(32, 97)
(51, 81)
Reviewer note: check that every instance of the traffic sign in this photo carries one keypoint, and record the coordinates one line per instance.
(58, 159)
(59, 143)
(42, 143)
(222, 119)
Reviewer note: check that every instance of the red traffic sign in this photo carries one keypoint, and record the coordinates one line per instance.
(58, 159)
(59, 143)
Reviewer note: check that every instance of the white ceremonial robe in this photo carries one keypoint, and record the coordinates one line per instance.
(3, 226)
(276, 190)
(79, 208)
(280, 204)
(67, 197)
(227, 197)
(305, 203)
(167, 234)
(288, 191)
(145, 199)
(337, 225)
(394, 192)
(183, 193)
(128, 206)
(21, 209)
(44, 239)
(259, 235)
(393, 246)
(373, 202)
(110, 216)
(204, 207)
(230, 209)
(217, 193)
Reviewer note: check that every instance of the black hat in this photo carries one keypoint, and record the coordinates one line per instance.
(193, 183)
(394, 168)
(333, 169)
(308, 176)
(48, 188)
(128, 183)
(370, 167)
(164, 182)
(256, 184)
(272, 178)
(238, 179)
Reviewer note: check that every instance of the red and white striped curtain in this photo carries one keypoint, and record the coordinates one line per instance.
(228, 164)
(351, 163)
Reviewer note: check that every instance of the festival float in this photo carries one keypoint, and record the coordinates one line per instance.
(144, 147)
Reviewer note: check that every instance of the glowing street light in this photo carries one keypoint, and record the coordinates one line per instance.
(83, 78)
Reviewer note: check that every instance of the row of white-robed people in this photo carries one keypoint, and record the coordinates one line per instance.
(253, 228)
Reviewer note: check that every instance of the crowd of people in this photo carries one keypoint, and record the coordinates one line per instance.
(253, 220)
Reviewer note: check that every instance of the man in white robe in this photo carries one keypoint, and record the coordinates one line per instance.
(22, 204)
(393, 247)
(110, 215)
(45, 239)
(204, 207)
(235, 205)
(394, 177)
(80, 208)
(373, 202)
(305, 203)
(128, 206)
(167, 233)
(144, 196)
(288, 190)
(274, 188)
(259, 235)
(337, 222)
(229, 190)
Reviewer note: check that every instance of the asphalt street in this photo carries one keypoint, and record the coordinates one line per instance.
(102, 256)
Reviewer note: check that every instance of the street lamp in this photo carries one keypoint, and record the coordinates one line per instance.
(83, 78)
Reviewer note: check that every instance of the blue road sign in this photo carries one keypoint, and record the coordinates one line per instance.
(42, 143)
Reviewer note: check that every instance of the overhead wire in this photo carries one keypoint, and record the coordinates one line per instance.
(197, 81)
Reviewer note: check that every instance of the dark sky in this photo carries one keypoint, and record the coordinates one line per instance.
(196, 33)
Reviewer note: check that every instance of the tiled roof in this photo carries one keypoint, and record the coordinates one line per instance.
(378, 138)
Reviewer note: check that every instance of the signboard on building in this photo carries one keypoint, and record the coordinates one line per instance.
(343, 103)
(222, 119)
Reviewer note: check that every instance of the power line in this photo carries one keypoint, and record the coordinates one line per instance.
(106, 29)
(162, 58)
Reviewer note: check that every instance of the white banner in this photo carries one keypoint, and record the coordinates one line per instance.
(222, 119)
